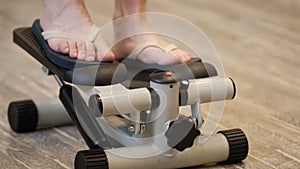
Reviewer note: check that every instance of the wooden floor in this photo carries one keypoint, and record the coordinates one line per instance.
(258, 41)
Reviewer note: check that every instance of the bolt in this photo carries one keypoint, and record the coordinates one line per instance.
(131, 129)
(143, 126)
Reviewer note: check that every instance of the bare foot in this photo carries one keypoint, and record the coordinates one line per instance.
(136, 24)
(71, 16)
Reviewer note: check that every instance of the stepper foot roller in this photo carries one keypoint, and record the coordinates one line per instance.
(91, 159)
(238, 145)
(22, 116)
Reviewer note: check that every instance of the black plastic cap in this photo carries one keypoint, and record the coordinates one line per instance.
(234, 88)
(238, 145)
(95, 105)
(22, 116)
(91, 159)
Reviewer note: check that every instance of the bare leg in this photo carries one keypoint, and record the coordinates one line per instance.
(149, 55)
(72, 16)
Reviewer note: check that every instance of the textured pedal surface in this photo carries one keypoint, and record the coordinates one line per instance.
(91, 159)
(23, 116)
(25, 39)
(238, 145)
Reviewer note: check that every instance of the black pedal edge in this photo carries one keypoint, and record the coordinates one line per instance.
(24, 38)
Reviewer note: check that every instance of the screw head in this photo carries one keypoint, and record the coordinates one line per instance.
(131, 129)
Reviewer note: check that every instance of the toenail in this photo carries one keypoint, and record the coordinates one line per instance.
(111, 54)
(183, 60)
(90, 58)
(67, 49)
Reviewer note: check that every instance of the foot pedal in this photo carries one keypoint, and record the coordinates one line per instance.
(96, 74)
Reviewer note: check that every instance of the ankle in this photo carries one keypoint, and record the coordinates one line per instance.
(66, 14)
(117, 14)
(55, 8)
(128, 7)
(67, 8)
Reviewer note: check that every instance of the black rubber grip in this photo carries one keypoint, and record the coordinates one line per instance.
(238, 145)
(23, 116)
(91, 159)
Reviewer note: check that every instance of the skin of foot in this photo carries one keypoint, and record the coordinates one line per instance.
(72, 16)
(138, 23)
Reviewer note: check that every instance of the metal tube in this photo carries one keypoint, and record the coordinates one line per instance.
(167, 111)
(210, 89)
(216, 149)
(52, 113)
(125, 101)
(59, 81)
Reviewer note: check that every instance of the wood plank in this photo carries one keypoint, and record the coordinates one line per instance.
(258, 42)
(24, 153)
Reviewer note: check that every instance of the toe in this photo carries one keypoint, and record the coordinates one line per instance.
(154, 55)
(108, 56)
(64, 47)
(173, 58)
(59, 45)
(103, 52)
(73, 49)
(54, 44)
(187, 55)
(181, 55)
(81, 50)
(105, 55)
(90, 52)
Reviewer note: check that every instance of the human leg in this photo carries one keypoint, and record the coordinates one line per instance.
(138, 23)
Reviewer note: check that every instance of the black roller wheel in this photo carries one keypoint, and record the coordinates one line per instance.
(91, 159)
(22, 116)
(238, 145)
